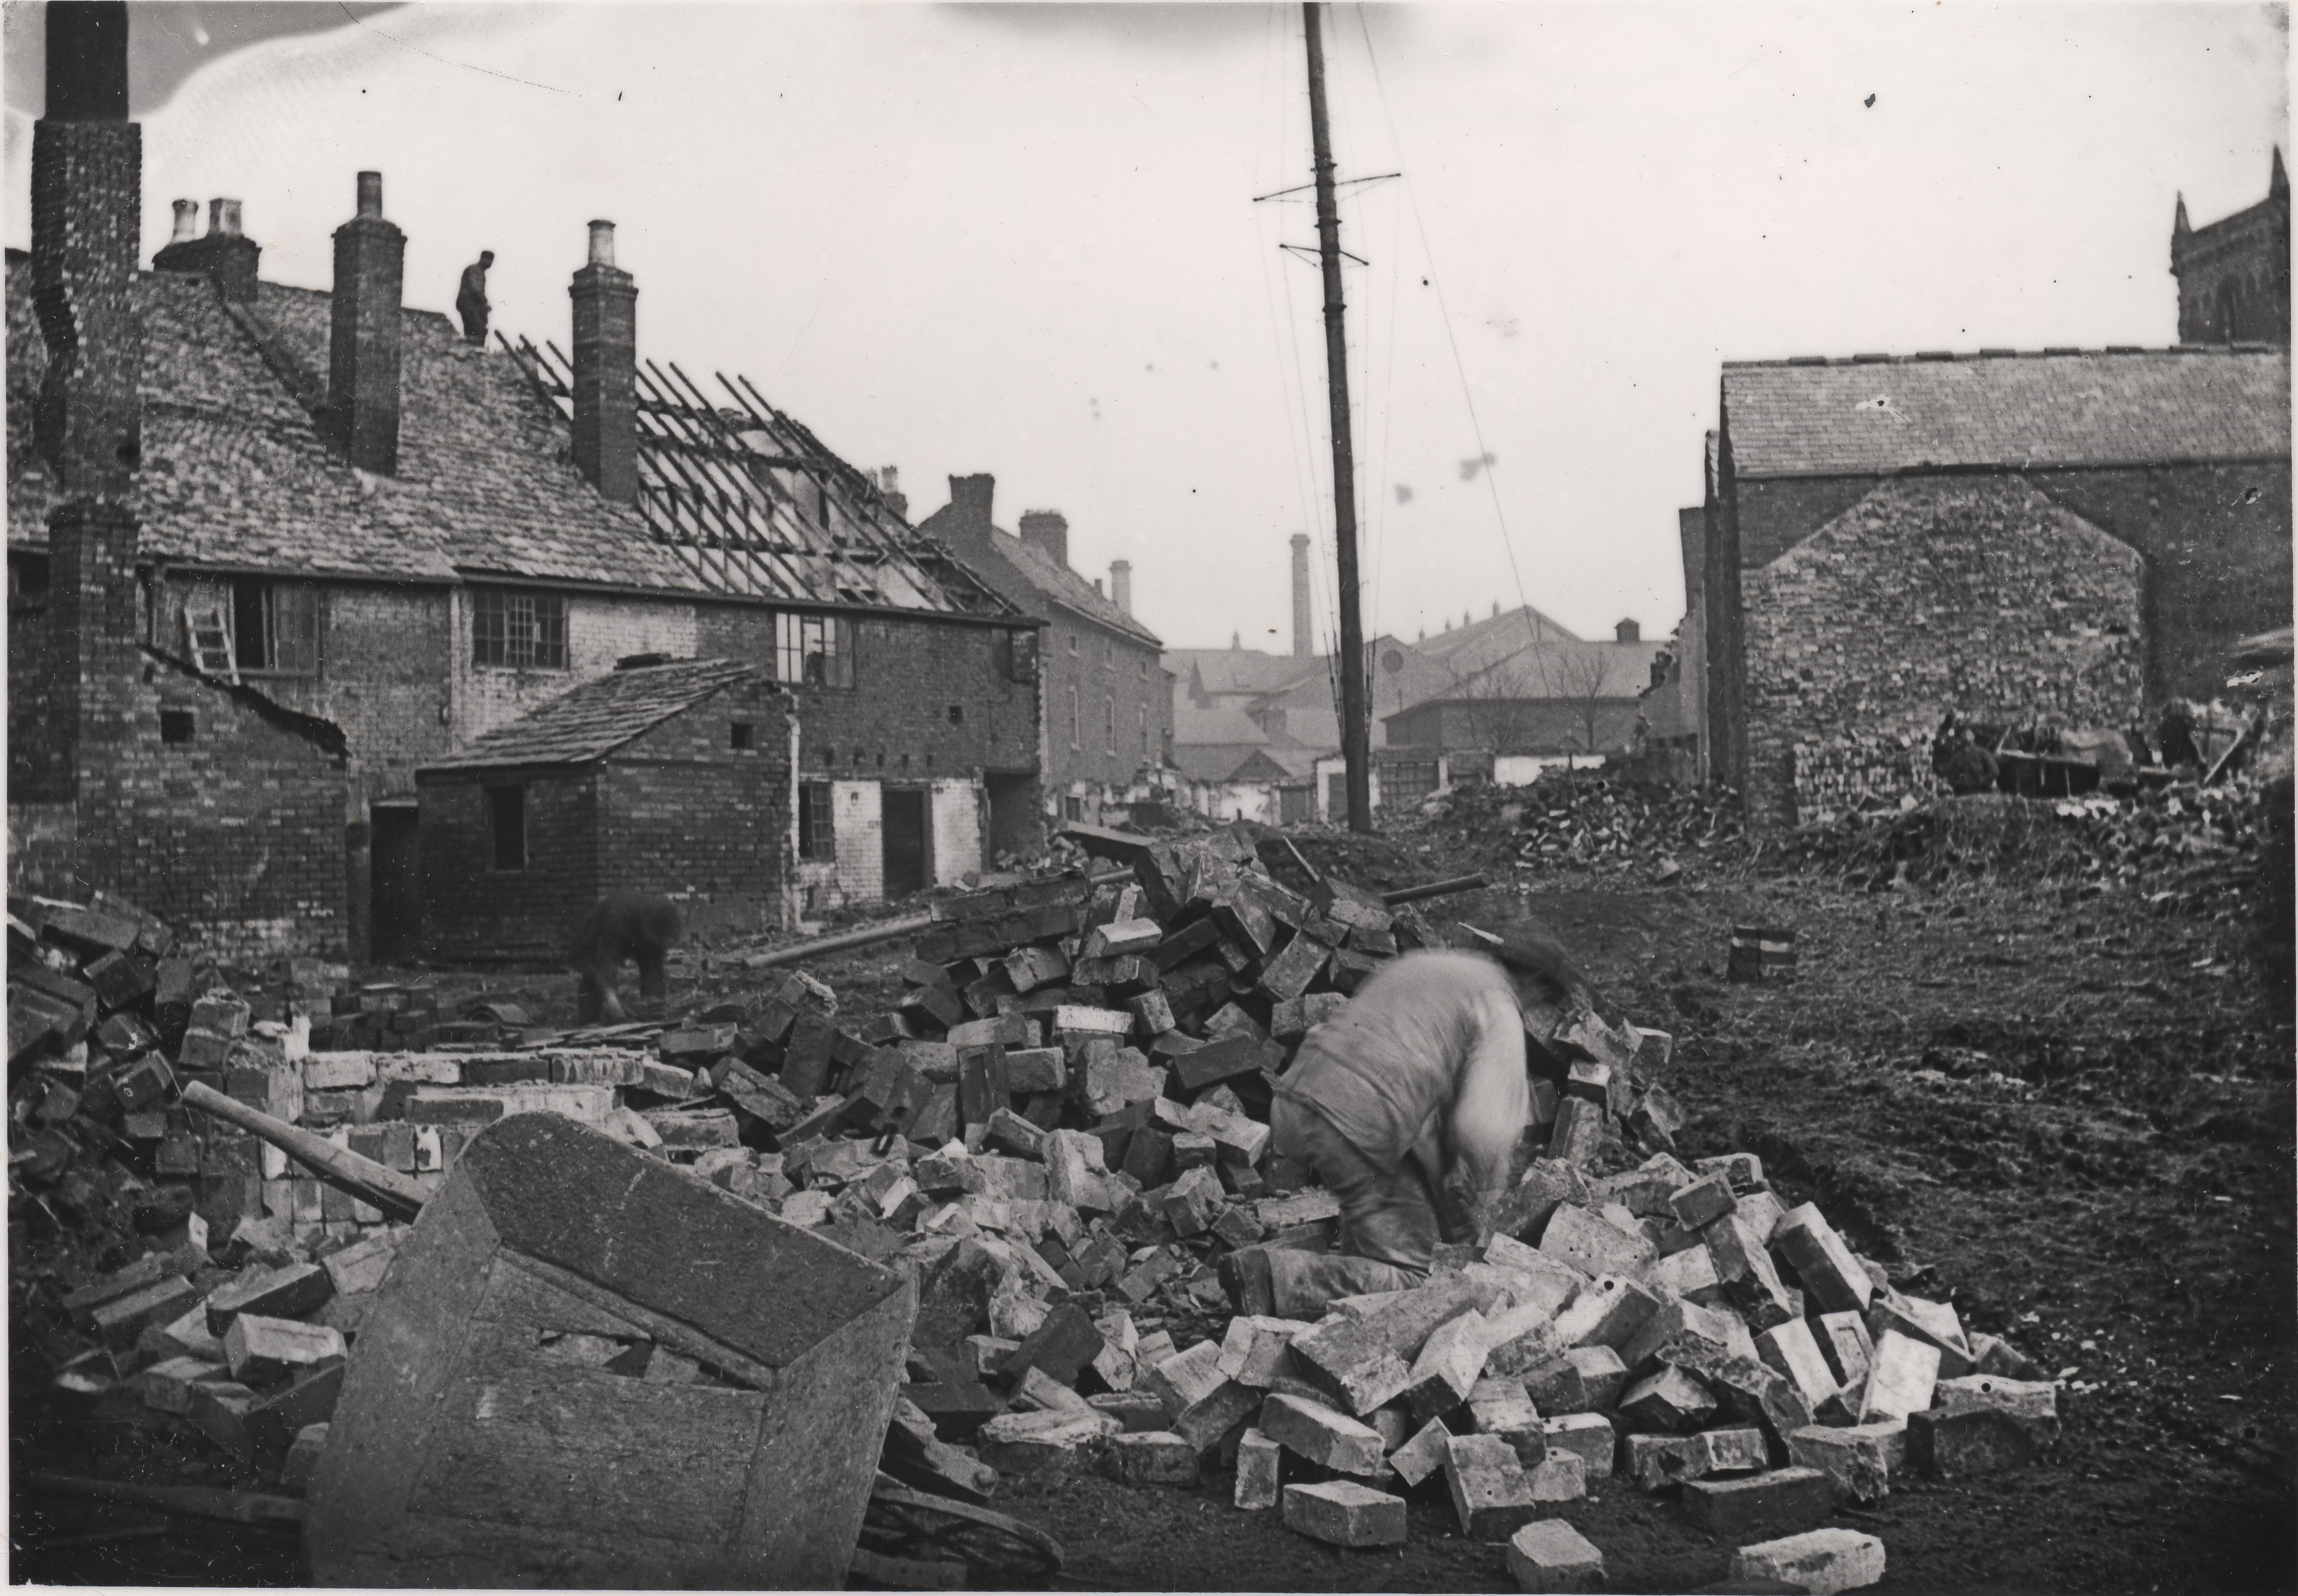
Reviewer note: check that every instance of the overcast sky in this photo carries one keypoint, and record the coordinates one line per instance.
(1022, 240)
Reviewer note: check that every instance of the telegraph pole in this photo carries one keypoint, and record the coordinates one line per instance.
(1356, 750)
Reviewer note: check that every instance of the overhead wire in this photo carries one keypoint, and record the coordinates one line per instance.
(1436, 281)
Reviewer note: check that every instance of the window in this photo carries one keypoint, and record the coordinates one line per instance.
(1109, 717)
(275, 626)
(1073, 718)
(1145, 731)
(1072, 645)
(1015, 655)
(27, 578)
(745, 735)
(1072, 807)
(175, 725)
(1108, 654)
(813, 651)
(817, 838)
(957, 715)
(1143, 665)
(507, 826)
(526, 631)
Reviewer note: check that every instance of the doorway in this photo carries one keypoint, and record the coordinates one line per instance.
(905, 817)
(395, 862)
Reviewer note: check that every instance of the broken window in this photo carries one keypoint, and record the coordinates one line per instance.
(507, 827)
(817, 838)
(813, 651)
(522, 631)
(1015, 654)
(275, 626)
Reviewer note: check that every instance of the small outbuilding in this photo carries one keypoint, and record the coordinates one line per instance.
(663, 776)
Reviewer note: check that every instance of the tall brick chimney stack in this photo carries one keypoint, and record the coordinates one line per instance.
(363, 334)
(1303, 641)
(227, 254)
(606, 370)
(1046, 530)
(87, 168)
(1120, 584)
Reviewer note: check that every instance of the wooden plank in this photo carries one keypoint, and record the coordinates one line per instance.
(506, 1384)
(659, 1327)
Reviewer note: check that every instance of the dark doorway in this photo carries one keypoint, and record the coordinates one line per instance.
(396, 861)
(907, 849)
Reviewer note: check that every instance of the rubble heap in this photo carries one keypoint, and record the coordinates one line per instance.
(1060, 1130)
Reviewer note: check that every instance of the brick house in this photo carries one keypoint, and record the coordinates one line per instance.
(2067, 537)
(598, 791)
(131, 771)
(1556, 696)
(345, 506)
(1105, 717)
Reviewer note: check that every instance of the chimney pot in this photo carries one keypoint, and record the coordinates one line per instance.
(1120, 584)
(602, 243)
(187, 221)
(223, 217)
(363, 331)
(226, 254)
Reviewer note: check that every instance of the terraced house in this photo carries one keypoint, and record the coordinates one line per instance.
(396, 541)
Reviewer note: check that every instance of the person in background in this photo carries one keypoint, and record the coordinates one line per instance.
(624, 925)
(471, 298)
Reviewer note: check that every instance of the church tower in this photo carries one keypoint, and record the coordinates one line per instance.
(2234, 275)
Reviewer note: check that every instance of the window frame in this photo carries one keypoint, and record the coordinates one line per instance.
(1075, 726)
(497, 830)
(803, 637)
(505, 638)
(817, 822)
(1109, 723)
(276, 627)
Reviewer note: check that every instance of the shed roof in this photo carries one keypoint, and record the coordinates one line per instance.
(593, 720)
(1870, 415)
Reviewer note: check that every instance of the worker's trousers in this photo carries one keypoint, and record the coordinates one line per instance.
(1389, 1223)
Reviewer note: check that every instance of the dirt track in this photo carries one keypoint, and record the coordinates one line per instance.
(2079, 1120)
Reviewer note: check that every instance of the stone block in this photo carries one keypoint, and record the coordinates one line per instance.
(1856, 1460)
(1668, 1403)
(121, 1322)
(1776, 1501)
(1743, 1385)
(1367, 1362)
(1423, 1454)
(261, 1350)
(1447, 1366)
(2033, 1403)
(1655, 1462)
(1324, 1436)
(1043, 1443)
(1969, 1440)
(1689, 1272)
(1791, 1350)
(1751, 1282)
(1829, 1274)
(1738, 1451)
(303, 1460)
(1900, 1384)
(1919, 1320)
(1850, 1353)
(167, 1386)
(1549, 1555)
(1561, 1476)
(1259, 1468)
(1156, 1458)
(1822, 1561)
(1588, 1436)
(1498, 1406)
(1610, 1312)
(1486, 1481)
(1703, 1202)
(360, 1267)
(1345, 1513)
(1588, 1243)
(1138, 1412)
(1256, 1348)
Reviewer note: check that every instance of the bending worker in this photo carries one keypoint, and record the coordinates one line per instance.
(1408, 1106)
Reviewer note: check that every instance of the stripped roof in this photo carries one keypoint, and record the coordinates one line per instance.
(2060, 408)
(751, 504)
(236, 475)
(593, 720)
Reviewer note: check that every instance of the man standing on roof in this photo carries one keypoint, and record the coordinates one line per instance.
(1408, 1107)
(471, 298)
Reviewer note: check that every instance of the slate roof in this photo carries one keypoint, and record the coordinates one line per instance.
(235, 474)
(1071, 590)
(1867, 416)
(1223, 671)
(591, 721)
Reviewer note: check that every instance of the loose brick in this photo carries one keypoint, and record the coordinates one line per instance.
(1843, 1342)
(1156, 1458)
(1344, 1513)
(1593, 1246)
(1856, 1460)
(1258, 1466)
(1790, 1349)
(1901, 1381)
(1423, 1454)
(168, 1385)
(121, 1322)
(1042, 1443)
(1588, 1436)
(1256, 1349)
(1822, 1561)
(1702, 1202)
(289, 1292)
(1448, 1366)
(1777, 1501)
(1498, 1406)
(2033, 1403)
(1971, 1441)
(260, 1349)
(1668, 1401)
(1659, 1461)
(302, 1463)
(1316, 1432)
(1490, 1494)
(1829, 1272)
(1549, 1555)
(1610, 1312)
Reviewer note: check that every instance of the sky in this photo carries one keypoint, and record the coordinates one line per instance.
(1024, 240)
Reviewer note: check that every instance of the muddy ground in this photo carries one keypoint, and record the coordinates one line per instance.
(2072, 1117)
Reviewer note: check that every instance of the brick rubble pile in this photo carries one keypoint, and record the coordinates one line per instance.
(1060, 1130)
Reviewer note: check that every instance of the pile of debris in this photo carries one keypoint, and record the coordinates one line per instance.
(1586, 819)
(1062, 1131)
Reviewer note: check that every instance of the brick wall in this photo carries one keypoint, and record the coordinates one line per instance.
(42, 849)
(474, 912)
(955, 808)
(1518, 725)
(600, 628)
(1971, 592)
(683, 813)
(1103, 670)
(857, 821)
(40, 760)
(1849, 771)
(895, 723)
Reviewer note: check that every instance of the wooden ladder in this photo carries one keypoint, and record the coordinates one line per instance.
(212, 648)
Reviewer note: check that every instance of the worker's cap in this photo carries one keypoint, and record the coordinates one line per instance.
(1537, 960)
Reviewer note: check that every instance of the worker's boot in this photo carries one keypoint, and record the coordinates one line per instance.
(1245, 1276)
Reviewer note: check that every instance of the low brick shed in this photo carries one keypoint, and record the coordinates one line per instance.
(669, 777)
